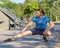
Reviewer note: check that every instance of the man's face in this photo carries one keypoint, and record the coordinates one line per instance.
(39, 13)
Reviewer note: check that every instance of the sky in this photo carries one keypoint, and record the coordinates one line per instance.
(18, 1)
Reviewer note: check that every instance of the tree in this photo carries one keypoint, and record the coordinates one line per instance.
(30, 7)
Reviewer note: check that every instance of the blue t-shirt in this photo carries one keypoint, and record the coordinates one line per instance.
(41, 23)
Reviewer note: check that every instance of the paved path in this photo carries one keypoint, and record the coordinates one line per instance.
(35, 41)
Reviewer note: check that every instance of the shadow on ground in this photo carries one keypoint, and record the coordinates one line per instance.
(34, 41)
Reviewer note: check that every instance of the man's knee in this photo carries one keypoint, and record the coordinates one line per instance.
(49, 33)
(21, 32)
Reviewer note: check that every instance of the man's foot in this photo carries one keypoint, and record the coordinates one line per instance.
(8, 40)
(45, 39)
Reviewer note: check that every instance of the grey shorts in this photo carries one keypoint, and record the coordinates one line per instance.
(36, 31)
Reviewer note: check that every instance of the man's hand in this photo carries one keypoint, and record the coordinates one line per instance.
(27, 26)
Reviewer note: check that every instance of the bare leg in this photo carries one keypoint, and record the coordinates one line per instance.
(21, 34)
(46, 35)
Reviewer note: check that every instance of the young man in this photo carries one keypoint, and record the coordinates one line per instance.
(40, 28)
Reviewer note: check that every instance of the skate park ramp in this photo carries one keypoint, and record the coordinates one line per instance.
(6, 15)
(4, 25)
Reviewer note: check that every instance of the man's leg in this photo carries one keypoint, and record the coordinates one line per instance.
(46, 35)
(45, 38)
(21, 34)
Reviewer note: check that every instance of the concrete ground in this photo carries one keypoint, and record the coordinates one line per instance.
(34, 41)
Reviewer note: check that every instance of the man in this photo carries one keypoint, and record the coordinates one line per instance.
(40, 28)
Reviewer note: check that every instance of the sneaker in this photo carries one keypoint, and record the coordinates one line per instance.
(45, 39)
(8, 40)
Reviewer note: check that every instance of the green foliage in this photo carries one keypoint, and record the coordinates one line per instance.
(10, 5)
(30, 7)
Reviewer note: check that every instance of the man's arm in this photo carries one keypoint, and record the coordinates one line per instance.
(51, 25)
(26, 27)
